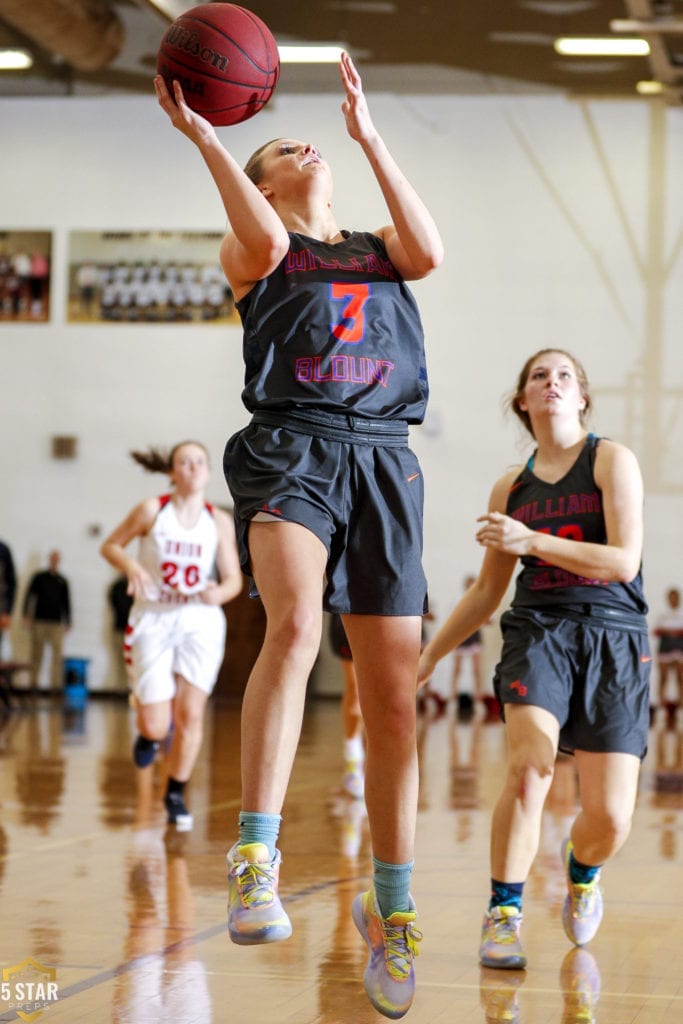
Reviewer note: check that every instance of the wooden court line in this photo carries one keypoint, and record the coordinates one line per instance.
(187, 943)
(209, 933)
(87, 984)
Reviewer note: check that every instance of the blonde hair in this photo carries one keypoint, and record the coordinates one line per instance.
(254, 165)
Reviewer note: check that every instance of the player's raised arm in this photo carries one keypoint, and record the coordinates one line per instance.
(412, 240)
(258, 240)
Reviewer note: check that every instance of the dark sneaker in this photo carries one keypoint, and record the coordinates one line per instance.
(178, 813)
(144, 751)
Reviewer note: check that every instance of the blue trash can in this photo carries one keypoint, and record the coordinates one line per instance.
(76, 683)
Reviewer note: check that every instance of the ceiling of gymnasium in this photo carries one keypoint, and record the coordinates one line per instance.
(86, 47)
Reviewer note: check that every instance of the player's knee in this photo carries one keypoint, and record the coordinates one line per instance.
(612, 824)
(297, 633)
(188, 718)
(153, 724)
(391, 720)
(530, 772)
(533, 757)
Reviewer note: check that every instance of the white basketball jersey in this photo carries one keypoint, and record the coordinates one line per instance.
(180, 561)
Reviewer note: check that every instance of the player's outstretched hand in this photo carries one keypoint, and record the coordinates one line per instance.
(182, 117)
(355, 108)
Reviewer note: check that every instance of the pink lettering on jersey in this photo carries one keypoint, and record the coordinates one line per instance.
(343, 369)
(307, 261)
(553, 508)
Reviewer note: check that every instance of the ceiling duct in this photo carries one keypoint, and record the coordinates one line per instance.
(87, 34)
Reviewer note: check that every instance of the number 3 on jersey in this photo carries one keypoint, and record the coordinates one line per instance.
(351, 324)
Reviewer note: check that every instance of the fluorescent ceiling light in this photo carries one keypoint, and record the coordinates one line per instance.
(593, 47)
(649, 88)
(310, 54)
(646, 25)
(15, 60)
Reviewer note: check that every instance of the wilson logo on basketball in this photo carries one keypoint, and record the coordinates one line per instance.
(189, 42)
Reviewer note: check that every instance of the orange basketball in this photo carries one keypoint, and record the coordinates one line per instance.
(224, 57)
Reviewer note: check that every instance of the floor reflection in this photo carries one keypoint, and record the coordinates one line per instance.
(580, 985)
(163, 980)
(132, 916)
(499, 995)
(39, 771)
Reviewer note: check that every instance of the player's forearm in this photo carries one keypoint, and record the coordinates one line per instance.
(116, 555)
(414, 224)
(250, 214)
(606, 562)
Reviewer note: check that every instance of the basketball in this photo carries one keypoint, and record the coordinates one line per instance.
(225, 59)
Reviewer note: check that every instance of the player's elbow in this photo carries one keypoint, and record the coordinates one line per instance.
(629, 572)
(429, 260)
(626, 567)
(275, 247)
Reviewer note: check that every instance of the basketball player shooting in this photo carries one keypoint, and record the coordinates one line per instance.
(328, 498)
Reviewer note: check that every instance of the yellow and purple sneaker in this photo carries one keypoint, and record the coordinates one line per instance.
(353, 783)
(580, 984)
(500, 943)
(498, 995)
(255, 913)
(582, 910)
(389, 975)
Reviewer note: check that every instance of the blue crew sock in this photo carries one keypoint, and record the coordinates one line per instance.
(259, 828)
(506, 894)
(392, 886)
(581, 874)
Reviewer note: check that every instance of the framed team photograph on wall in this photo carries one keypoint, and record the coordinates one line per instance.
(25, 259)
(147, 277)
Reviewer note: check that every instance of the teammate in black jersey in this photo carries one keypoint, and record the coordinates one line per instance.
(574, 669)
(328, 498)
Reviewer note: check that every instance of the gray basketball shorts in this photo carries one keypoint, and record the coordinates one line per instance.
(355, 484)
(594, 678)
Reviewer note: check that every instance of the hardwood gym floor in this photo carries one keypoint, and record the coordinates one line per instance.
(129, 919)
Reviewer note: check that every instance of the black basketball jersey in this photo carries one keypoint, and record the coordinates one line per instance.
(570, 508)
(334, 327)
